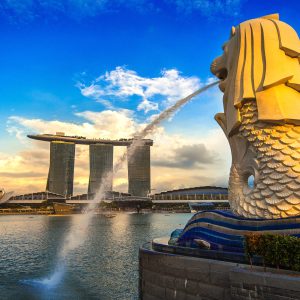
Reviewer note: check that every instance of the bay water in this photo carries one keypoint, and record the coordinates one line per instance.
(104, 267)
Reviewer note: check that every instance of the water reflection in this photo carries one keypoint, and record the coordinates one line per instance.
(104, 267)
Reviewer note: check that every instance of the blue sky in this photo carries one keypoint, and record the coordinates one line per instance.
(56, 57)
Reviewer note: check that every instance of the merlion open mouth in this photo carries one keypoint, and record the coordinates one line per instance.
(222, 73)
(218, 69)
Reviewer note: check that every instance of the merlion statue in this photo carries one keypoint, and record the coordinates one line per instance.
(260, 79)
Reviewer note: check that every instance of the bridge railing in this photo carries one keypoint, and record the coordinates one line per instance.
(207, 197)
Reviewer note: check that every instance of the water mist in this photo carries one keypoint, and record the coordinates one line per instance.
(79, 226)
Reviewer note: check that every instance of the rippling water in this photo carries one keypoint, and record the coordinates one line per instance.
(105, 267)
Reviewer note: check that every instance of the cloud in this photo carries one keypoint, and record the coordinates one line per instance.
(178, 160)
(21, 174)
(120, 84)
(188, 156)
(194, 181)
(104, 124)
(147, 106)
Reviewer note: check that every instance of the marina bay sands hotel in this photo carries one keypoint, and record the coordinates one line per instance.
(62, 159)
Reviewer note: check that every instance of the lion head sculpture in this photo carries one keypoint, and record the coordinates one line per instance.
(260, 78)
(260, 62)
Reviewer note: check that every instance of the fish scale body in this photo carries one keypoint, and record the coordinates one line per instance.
(276, 192)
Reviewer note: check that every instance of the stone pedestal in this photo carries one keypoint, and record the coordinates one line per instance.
(170, 276)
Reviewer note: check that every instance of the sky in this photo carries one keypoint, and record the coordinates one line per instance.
(104, 69)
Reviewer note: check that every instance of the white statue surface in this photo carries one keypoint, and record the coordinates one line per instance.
(260, 79)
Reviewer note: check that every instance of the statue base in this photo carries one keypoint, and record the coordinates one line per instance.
(222, 230)
(172, 272)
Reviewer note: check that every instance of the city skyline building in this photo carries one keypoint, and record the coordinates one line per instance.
(62, 159)
(101, 164)
(139, 174)
(61, 168)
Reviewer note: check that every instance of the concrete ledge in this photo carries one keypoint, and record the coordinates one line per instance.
(161, 245)
(272, 284)
(166, 275)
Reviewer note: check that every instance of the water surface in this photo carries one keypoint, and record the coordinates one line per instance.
(105, 267)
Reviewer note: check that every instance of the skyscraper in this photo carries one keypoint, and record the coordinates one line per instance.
(139, 171)
(101, 163)
(61, 169)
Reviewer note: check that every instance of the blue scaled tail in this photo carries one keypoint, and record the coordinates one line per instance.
(224, 231)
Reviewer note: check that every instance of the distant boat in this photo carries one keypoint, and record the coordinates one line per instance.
(4, 197)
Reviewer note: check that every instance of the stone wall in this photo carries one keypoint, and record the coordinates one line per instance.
(169, 276)
(256, 284)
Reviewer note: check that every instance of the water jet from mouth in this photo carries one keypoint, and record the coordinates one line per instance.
(79, 227)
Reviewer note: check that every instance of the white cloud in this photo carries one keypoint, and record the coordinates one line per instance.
(147, 106)
(178, 159)
(120, 84)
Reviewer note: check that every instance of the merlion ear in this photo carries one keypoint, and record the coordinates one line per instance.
(272, 16)
(232, 31)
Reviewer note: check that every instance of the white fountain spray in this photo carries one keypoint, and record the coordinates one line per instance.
(78, 231)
